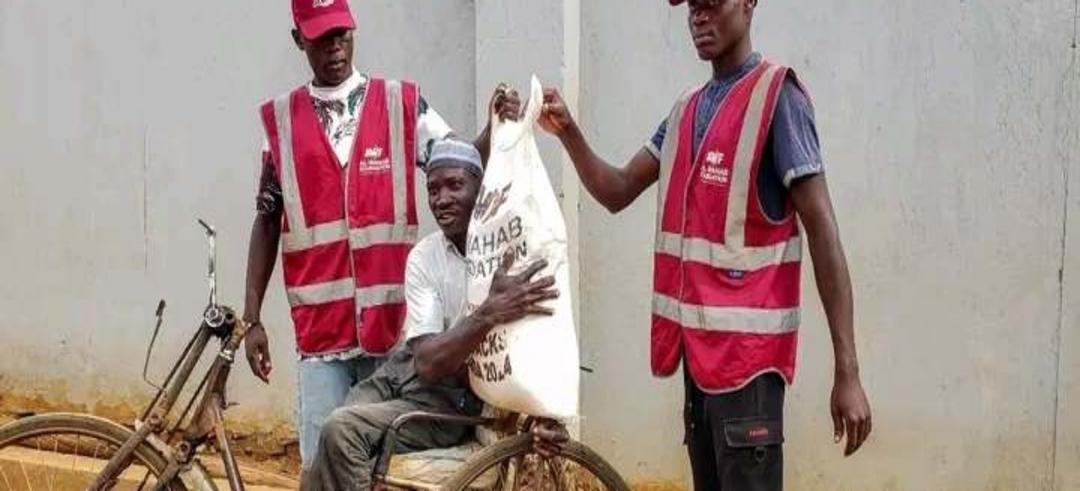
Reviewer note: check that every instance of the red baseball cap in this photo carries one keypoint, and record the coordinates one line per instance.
(676, 2)
(315, 17)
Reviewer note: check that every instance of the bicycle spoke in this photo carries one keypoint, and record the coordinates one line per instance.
(516, 469)
(26, 476)
(146, 477)
(563, 475)
(554, 476)
(75, 454)
(502, 482)
(43, 467)
(7, 483)
(94, 459)
(56, 451)
(39, 452)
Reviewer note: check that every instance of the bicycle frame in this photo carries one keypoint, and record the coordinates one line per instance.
(381, 468)
(511, 423)
(207, 421)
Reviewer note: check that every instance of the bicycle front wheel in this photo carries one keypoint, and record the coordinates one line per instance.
(67, 451)
(511, 464)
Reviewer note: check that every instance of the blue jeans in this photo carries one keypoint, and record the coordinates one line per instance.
(323, 386)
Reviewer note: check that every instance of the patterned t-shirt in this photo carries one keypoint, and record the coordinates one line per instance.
(338, 110)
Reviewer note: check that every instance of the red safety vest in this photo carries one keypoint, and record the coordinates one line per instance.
(726, 277)
(346, 231)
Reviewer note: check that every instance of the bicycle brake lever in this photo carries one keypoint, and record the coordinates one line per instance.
(209, 228)
(160, 314)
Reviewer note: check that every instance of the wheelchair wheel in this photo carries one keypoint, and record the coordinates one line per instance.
(511, 464)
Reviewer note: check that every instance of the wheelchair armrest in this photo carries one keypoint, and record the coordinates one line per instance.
(389, 447)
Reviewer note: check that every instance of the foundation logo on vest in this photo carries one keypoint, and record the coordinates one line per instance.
(374, 160)
(714, 172)
(322, 3)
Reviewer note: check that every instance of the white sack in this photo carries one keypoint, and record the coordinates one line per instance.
(530, 366)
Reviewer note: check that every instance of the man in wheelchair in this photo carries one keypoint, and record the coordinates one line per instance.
(428, 372)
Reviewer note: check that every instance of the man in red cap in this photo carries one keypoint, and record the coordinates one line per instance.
(337, 194)
(738, 165)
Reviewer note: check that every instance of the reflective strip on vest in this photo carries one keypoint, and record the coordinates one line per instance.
(383, 234)
(299, 239)
(290, 187)
(344, 289)
(723, 256)
(739, 194)
(379, 295)
(330, 232)
(320, 293)
(727, 319)
(668, 151)
(394, 107)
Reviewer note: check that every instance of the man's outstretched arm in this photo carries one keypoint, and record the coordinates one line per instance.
(614, 187)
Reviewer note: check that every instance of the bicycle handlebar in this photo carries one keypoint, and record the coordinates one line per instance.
(211, 272)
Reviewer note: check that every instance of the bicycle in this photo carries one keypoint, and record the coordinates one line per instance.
(509, 464)
(153, 454)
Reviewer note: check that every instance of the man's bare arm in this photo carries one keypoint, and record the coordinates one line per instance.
(506, 104)
(262, 254)
(437, 356)
(850, 408)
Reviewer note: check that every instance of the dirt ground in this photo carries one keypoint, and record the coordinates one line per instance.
(268, 456)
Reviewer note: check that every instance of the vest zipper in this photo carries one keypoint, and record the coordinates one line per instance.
(357, 324)
(696, 155)
(691, 174)
(357, 310)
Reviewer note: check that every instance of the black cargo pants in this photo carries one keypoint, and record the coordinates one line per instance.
(735, 439)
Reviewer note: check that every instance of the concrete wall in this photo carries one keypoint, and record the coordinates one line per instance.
(950, 135)
(948, 130)
(1067, 131)
(516, 39)
(626, 91)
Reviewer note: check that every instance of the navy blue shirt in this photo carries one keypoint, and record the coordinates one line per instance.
(791, 151)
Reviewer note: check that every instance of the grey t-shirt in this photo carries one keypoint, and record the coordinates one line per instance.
(791, 151)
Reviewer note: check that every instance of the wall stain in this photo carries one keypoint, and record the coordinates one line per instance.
(1076, 22)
